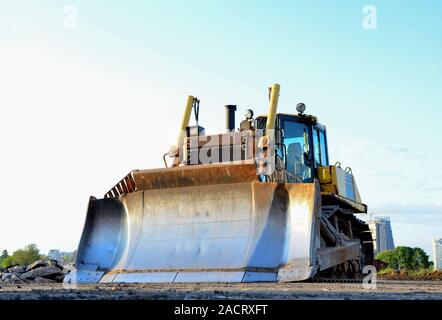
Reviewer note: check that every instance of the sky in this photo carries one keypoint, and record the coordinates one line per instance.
(91, 90)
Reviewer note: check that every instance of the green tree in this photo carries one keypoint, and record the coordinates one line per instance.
(26, 256)
(6, 262)
(4, 259)
(20, 257)
(405, 258)
(389, 257)
(4, 255)
(421, 259)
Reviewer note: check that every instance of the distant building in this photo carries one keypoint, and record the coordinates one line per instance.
(437, 254)
(60, 256)
(382, 234)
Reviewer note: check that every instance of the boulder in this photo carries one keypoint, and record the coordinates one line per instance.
(11, 278)
(45, 272)
(17, 269)
(43, 280)
(53, 262)
(36, 264)
(6, 276)
(59, 278)
(15, 278)
(69, 267)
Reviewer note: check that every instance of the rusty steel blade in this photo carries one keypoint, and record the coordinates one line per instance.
(196, 230)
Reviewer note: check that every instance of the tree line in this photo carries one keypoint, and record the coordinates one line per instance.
(24, 257)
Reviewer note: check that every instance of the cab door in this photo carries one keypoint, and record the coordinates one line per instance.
(298, 144)
(320, 150)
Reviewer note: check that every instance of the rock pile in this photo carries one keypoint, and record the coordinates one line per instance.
(38, 272)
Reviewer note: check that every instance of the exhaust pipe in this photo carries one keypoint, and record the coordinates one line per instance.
(230, 118)
(174, 151)
(273, 105)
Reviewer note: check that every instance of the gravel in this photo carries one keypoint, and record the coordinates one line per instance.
(393, 290)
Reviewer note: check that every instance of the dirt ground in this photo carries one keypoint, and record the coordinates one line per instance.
(390, 290)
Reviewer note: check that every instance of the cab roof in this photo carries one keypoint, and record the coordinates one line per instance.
(303, 118)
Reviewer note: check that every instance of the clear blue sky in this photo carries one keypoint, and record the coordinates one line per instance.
(80, 107)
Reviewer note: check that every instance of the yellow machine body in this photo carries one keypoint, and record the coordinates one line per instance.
(335, 180)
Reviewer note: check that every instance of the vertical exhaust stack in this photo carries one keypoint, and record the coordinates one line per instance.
(266, 142)
(174, 152)
(185, 120)
(273, 106)
(230, 118)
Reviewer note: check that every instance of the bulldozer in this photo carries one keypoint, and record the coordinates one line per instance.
(260, 203)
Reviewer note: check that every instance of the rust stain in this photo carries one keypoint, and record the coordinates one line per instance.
(196, 175)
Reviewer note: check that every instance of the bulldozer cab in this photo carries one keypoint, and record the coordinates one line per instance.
(301, 145)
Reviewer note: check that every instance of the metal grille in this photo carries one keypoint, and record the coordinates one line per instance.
(126, 185)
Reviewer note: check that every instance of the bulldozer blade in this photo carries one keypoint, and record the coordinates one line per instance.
(237, 232)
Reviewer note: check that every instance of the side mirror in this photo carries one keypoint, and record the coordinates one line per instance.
(306, 148)
(307, 156)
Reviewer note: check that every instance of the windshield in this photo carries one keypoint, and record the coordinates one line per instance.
(296, 139)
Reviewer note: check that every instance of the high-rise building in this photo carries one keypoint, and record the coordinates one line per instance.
(382, 234)
(437, 254)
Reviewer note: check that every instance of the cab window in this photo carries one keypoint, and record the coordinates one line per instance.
(319, 148)
(323, 145)
(296, 139)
